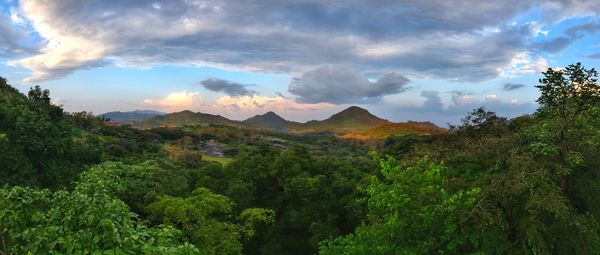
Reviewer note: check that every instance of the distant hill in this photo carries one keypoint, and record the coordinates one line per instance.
(382, 131)
(137, 115)
(269, 120)
(352, 119)
(184, 118)
(352, 123)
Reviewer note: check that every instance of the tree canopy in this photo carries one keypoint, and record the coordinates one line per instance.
(491, 185)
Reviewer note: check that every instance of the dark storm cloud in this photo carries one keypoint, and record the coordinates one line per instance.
(512, 86)
(227, 87)
(339, 85)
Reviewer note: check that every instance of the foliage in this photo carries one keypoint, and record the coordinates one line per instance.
(313, 197)
(205, 219)
(87, 220)
(566, 96)
(39, 146)
(142, 182)
(412, 211)
(568, 92)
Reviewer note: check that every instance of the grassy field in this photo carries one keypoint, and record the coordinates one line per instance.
(176, 152)
(223, 161)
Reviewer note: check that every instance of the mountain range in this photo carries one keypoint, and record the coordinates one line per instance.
(137, 115)
(351, 123)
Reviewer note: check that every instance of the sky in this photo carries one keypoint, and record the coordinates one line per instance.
(422, 60)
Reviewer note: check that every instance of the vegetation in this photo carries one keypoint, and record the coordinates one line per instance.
(490, 185)
(352, 123)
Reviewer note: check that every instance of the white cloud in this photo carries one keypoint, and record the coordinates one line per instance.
(257, 103)
(16, 17)
(490, 97)
(177, 101)
(523, 63)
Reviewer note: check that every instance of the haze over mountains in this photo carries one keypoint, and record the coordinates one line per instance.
(352, 123)
(137, 115)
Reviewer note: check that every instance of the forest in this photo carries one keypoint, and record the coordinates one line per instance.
(70, 184)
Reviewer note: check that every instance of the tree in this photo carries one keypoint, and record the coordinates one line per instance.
(88, 220)
(313, 197)
(205, 219)
(412, 211)
(566, 95)
(38, 145)
(143, 182)
(478, 118)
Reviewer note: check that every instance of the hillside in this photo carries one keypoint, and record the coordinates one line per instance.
(382, 131)
(184, 118)
(352, 119)
(269, 120)
(137, 115)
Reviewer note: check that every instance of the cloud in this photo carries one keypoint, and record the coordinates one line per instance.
(582, 29)
(460, 104)
(433, 101)
(340, 85)
(556, 11)
(227, 87)
(554, 45)
(512, 86)
(16, 17)
(280, 94)
(437, 39)
(10, 39)
(524, 63)
(560, 43)
(594, 56)
(176, 101)
(256, 102)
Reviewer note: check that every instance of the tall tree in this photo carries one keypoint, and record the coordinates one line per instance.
(567, 94)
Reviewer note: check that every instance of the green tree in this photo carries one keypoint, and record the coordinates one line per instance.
(88, 220)
(38, 145)
(143, 182)
(412, 211)
(206, 220)
(313, 197)
(566, 95)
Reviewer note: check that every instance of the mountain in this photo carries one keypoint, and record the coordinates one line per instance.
(352, 119)
(352, 123)
(268, 120)
(184, 118)
(137, 115)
